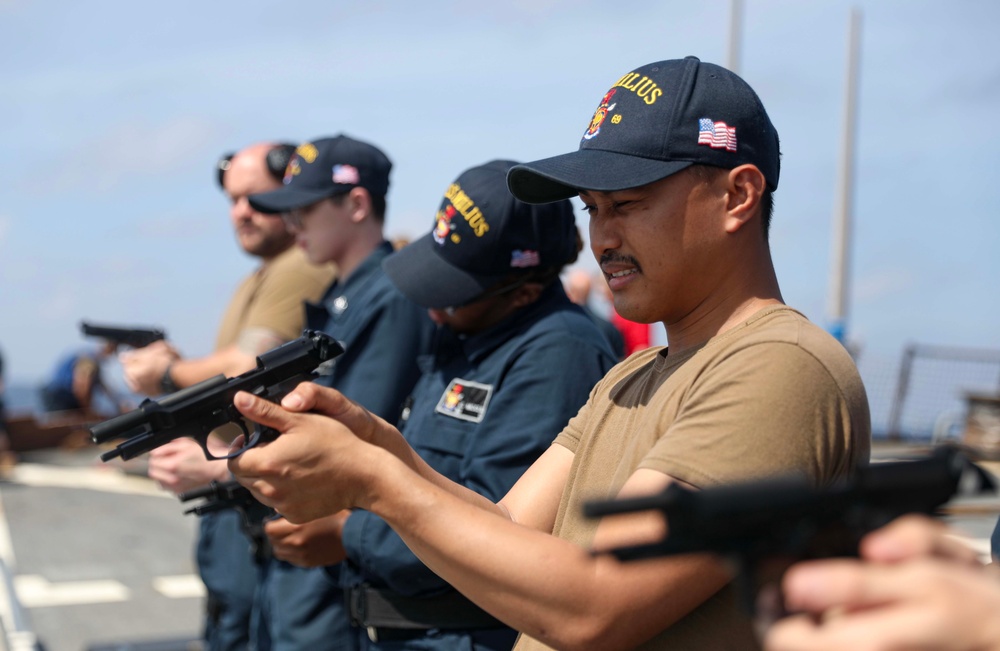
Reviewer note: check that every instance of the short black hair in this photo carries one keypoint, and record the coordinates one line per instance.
(378, 207)
(766, 211)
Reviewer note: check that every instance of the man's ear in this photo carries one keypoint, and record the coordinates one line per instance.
(360, 204)
(745, 187)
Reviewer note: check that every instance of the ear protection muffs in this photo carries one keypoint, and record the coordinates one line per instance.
(222, 167)
(276, 159)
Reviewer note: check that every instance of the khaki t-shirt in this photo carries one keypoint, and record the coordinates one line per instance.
(272, 297)
(773, 395)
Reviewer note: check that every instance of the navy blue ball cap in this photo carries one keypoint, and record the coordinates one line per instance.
(324, 168)
(481, 236)
(654, 122)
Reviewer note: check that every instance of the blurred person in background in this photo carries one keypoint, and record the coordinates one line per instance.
(77, 384)
(7, 456)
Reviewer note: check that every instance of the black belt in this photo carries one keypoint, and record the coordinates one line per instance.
(386, 613)
(381, 634)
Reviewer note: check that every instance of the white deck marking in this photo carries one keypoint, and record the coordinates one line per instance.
(184, 586)
(6, 544)
(8, 605)
(34, 591)
(108, 480)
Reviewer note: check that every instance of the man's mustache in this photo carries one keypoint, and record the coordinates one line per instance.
(611, 257)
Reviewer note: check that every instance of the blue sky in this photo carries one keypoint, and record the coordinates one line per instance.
(113, 114)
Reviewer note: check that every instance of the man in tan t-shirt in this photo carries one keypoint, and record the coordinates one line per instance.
(266, 310)
(676, 168)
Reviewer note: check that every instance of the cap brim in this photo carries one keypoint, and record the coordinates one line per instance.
(286, 199)
(562, 177)
(428, 280)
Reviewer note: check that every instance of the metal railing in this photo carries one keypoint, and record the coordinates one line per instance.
(933, 380)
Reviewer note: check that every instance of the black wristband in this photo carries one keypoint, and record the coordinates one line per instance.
(167, 384)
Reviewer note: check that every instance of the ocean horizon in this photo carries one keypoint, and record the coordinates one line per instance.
(22, 398)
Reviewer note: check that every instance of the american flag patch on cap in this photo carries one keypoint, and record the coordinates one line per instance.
(717, 135)
(346, 174)
(521, 258)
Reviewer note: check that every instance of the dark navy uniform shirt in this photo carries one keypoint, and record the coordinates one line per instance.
(485, 408)
(382, 332)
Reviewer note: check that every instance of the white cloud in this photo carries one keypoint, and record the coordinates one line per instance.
(135, 148)
(64, 304)
(173, 228)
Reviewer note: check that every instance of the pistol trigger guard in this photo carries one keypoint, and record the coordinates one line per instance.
(250, 438)
(203, 442)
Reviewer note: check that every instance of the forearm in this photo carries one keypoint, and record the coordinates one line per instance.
(393, 442)
(546, 587)
(180, 465)
(228, 361)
